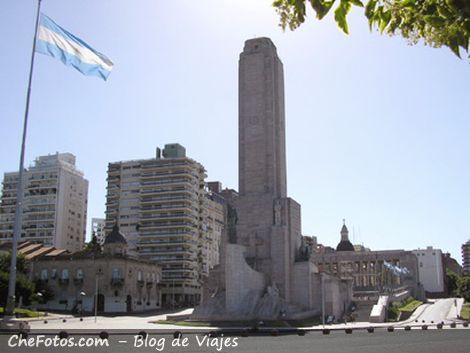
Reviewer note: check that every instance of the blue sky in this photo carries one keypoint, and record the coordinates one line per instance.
(377, 130)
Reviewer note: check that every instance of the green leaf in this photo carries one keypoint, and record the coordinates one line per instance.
(453, 44)
(408, 3)
(392, 26)
(357, 3)
(384, 20)
(433, 20)
(444, 11)
(321, 7)
(316, 5)
(340, 15)
(455, 48)
(326, 8)
(462, 40)
(370, 8)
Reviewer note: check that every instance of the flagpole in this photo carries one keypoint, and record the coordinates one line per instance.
(10, 307)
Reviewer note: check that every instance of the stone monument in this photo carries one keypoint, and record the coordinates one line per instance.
(262, 273)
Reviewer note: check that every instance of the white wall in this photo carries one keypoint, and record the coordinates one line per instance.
(431, 273)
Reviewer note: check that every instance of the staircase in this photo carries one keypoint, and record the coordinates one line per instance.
(363, 309)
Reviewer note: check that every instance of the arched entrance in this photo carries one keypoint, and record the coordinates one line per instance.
(100, 303)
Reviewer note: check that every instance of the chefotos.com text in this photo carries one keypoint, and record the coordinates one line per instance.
(56, 341)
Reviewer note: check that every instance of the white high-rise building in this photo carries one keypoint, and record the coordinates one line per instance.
(466, 257)
(167, 214)
(54, 203)
(98, 229)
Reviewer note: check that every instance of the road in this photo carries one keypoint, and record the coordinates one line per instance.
(442, 310)
(439, 310)
(381, 341)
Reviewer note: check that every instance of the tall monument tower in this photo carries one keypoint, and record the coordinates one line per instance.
(262, 147)
(265, 272)
(268, 221)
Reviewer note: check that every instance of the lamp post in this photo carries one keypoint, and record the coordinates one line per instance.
(39, 296)
(98, 273)
(172, 293)
(82, 295)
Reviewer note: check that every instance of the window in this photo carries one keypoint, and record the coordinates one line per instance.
(139, 276)
(44, 274)
(54, 273)
(79, 273)
(116, 273)
(65, 273)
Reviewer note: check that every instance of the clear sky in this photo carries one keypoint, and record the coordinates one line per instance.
(377, 130)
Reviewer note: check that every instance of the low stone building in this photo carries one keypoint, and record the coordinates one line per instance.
(372, 272)
(110, 279)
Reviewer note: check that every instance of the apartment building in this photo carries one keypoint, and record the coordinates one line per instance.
(54, 204)
(466, 257)
(169, 216)
(98, 229)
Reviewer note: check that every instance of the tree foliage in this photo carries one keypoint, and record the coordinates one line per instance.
(463, 289)
(93, 244)
(438, 22)
(452, 280)
(5, 261)
(24, 288)
(458, 286)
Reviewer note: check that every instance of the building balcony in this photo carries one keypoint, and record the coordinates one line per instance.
(166, 181)
(117, 281)
(78, 281)
(186, 208)
(157, 251)
(37, 210)
(159, 244)
(64, 281)
(149, 218)
(157, 193)
(140, 282)
(167, 225)
(149, 284)
(182, 165)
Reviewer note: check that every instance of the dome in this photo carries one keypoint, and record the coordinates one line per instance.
(345, 245)
(115, 237)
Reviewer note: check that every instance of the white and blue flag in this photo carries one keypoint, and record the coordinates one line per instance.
(55, 41)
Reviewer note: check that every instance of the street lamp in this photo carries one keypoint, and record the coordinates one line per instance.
(39, 296)
(98, 273)
(82, 295)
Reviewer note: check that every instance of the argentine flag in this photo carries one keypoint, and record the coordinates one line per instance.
(55, 41)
